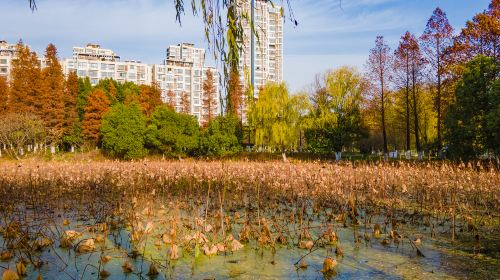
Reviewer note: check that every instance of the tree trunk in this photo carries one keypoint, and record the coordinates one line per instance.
(415, 112)
(384, 134)
(438, 99)
(408, 148)
(283, 155)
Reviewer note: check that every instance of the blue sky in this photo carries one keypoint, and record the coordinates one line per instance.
(329, 34)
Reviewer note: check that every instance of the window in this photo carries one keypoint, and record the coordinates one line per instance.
(103, 66)
(111, 67)
(3, 61)
(3, 70)
(82, 73)
(93, 65)
(82, 64)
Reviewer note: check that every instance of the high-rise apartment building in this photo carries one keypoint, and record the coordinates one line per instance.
(96, 63)
(7, 53)
(183, 72)
(268, 44)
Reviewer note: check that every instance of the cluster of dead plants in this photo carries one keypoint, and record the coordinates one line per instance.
(172, 210)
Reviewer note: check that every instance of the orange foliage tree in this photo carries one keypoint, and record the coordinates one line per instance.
(235, 95)
(185, 103)
(70, 96)
(149, 98)
(4, 95)
(24, 94)
(479, 36)
(52, 94)
(97, 105)
(171, 100)
(209, 98)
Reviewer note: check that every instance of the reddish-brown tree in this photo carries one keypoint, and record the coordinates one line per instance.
(4, 95)
(52, 93)
(171, 100)
(70, 95)
(479, 36)
(24, 94)
(379, 69)
(209, 98)
(149, 98)
(402, 67)
(436, 38)
(185, 103)
(235, 95)
(97, 105)
(417, 62)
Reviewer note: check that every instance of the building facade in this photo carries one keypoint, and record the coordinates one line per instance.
(183, 72)
(268, 43)
(7, 53)
(96, 63)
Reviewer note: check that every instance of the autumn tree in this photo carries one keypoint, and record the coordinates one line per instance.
(171, 99)
(71, 120)
(379, 70)
(435, 39)
(25, 81)
(52, 94)
(402, 67)
(209, 98)
(235, 95)
(97, 105)
(149, 98)
(417, 62)
(480, 36)
(185, 103)
(4, 95)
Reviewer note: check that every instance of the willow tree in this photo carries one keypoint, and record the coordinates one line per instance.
(276, 118)
(336, 120)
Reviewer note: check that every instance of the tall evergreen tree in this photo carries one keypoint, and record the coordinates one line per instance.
(84, 90)
(97, 105)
